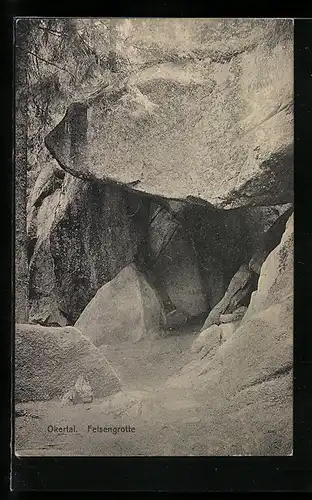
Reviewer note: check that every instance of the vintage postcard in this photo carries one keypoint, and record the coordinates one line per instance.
(153, 237)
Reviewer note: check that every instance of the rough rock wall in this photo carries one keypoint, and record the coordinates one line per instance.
(81, 235)
(206, 114)
(276, 277)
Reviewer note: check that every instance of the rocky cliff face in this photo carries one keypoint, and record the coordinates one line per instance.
(168, 209)
(206, 116)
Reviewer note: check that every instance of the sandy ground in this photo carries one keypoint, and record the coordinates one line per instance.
(143, 369)
(172, 403)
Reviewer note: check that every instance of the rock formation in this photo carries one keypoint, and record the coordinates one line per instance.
(125, 308)
(207, 116)
(167, 207)
(238, 293)
(174, 263)
(80, 393)
(249, 376)
(81, 235)
(276, 278)
(49, 360)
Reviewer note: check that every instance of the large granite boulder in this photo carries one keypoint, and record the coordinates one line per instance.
(126, 308)
(204, 115)
(49, 361)
(81, 234)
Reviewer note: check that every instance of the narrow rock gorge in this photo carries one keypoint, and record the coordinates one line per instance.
(160, 247)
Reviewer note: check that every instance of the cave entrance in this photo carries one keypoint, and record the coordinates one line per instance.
(195, 257)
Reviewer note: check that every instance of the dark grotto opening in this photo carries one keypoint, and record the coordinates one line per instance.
(207, 247)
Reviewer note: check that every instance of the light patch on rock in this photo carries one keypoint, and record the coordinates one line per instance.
(80, 393)
(228, 329)
(234, 316)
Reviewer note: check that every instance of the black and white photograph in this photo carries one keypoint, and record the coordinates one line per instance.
(153, 281)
